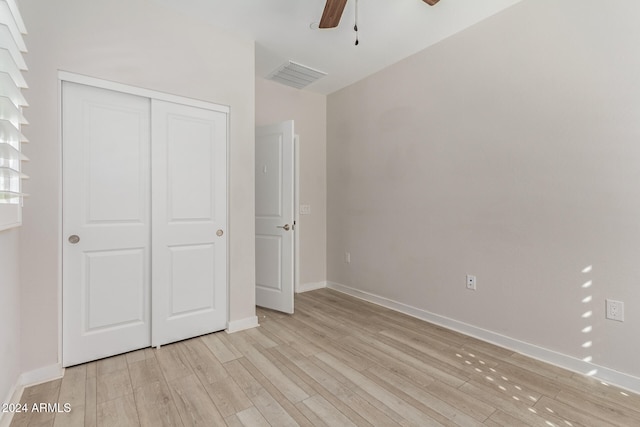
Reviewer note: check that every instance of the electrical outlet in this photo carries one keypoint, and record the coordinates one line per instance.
(471, 282)
(615, 310)
(347, 257)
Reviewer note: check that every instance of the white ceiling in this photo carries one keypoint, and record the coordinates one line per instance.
(389, 30)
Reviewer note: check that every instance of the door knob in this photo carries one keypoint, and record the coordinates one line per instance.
(73, 239)
(219, 233)
(286, 227)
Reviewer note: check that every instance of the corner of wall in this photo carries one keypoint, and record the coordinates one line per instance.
(242, 324)
(306, 287)
(28, 379)
(13, 397)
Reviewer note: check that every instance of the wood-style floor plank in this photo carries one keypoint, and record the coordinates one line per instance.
(358, 400)
(268, 406)
(337, 361)
(144, 372)
(327, 412)
(173, 362)
(118, 412)
(228, 397)
(155, 406)
(205, 365)
(72, 392)
(252, 417)
(90, 400)
(380, 393)
(193, 403)
(113, 385)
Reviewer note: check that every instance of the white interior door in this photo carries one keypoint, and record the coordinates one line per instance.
(189, 217)
(275, 231)
(106, 227)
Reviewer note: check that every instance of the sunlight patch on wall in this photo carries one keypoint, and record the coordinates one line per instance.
(588, 329)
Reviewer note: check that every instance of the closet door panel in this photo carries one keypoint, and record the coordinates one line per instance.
(106, 224)
(190, 177)
(189, 221)
(193, 268)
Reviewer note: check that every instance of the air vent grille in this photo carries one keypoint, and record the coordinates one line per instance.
(295, 75)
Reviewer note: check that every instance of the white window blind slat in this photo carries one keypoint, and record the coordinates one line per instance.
(11, 113)
(7, 18)
(11, 91)
(7, 65)
(10, 134)
(12, 64)
(17, 18)
(7, 42)
(8, 152)
(11, 173)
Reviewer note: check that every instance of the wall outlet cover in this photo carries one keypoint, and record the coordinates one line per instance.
(471, 282)
(614, 310)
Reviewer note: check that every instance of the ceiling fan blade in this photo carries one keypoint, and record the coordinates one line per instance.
(431, 2)
(332, 13)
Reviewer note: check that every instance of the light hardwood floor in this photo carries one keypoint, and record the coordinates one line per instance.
(337, 362)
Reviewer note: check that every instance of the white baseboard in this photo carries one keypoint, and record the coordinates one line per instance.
(242, 324)
(41, 375)
(306, 287)
(610, 376)
(27, 379)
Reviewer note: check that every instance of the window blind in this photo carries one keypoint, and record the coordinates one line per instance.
(12, 102)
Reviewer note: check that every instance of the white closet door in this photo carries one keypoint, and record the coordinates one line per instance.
(106, 226)
(189, 218)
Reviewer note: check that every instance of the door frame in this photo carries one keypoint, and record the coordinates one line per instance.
(66, 76)
(296, 212)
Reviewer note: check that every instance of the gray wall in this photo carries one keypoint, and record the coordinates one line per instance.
(509, 151)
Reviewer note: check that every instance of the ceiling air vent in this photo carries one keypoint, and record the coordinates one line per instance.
(295, 75)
